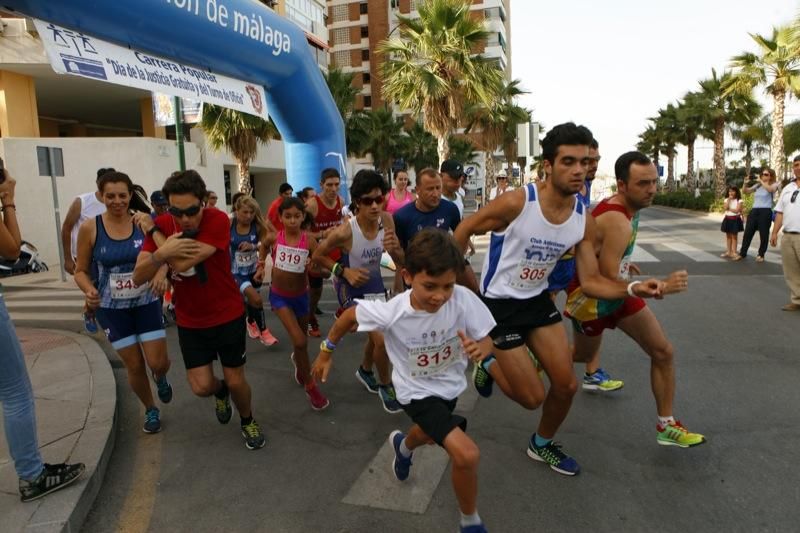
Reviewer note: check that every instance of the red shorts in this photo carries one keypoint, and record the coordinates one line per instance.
(592, 328)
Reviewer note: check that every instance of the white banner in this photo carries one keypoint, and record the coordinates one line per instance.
(73, 52)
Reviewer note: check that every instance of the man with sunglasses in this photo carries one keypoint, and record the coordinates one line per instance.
(361, 242)
(787, 215)
(194, 242)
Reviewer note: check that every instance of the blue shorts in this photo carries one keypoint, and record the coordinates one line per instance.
(245, 280)
(299, 304)
(126, 327)
(561, 275)
(348, 295)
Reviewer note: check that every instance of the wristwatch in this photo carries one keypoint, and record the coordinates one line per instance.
(152, 230)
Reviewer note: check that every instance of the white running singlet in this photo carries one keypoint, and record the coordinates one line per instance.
(90, 208)
(521, 257)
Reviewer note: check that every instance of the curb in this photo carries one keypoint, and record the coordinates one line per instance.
(697, 214)
(94, 446)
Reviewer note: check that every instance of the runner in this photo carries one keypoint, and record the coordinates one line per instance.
(159, 203)
(430, 333)
(212, 199)
(284, 191)
(531, 228)
(248, 233)
(361, 242)
(399, 195)
(617, 221)
(326, 208)
(195, 243)
(129, 314)
(291, 254)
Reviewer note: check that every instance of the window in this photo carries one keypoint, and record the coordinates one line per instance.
(364, 32)
(362, 8)
(367, 101)
(341, 36)
(365, 54)
(341, 58)
(339, 13)
(366, 78)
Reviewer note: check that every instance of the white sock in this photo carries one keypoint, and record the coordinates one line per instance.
(470, 519)
(664, 420)
(404, 451)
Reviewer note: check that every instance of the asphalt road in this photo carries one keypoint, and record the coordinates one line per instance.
(737, 369)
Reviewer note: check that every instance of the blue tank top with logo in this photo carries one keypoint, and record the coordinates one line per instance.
(115, 259)
(244, 263)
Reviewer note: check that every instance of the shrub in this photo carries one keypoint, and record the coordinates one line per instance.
(687, 200)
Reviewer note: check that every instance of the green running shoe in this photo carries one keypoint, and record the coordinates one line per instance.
(599, 380)
(482, 380)
(674, 434)
(253, 436)
(223, 408)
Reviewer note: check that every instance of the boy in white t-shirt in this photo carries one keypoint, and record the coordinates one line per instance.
(430, 332)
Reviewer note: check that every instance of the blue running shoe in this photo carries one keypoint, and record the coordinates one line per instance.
(164, 388)
(389, 399)
(400, 465)
(89, 323)
(367, 379)
(152, 420)
(480, 528)
(551, 454)
(481, 378)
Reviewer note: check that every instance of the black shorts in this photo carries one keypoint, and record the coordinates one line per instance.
(435, 417)
(517, 318)
(201, 346)
(315, 282)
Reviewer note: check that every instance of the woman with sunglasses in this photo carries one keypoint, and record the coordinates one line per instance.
(130, 314)
(357, 274)
(288, 294)
(400, 195)
(760, 216)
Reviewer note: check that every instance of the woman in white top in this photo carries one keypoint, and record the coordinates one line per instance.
(501, 187)
(732, 223)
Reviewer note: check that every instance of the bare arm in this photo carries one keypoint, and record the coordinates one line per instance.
(87, 234)
(10, 238)
(496, 216)
(341, 238)
(390, 241)
(614, 232)
(776, 227)
(73, 214)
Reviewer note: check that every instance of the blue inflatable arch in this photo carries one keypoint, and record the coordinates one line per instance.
(239, 38)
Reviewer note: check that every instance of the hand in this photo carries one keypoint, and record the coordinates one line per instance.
(634, 269)
(356, 277)
(321, 367)
(159, 285)
(144, 221)
(471, 347)
(390, 241)
(678, 281)
(649, 288)
(177, 248)
(93, 299)
(773, 240)
(259, 275)
(69, 266)
(246, 247)
(7, 189)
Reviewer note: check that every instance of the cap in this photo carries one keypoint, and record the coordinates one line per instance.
(452, 167)
(157, 198)
(501, 174)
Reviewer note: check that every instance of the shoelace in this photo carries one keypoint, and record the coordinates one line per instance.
(151, 416)
(552, 452)
(252, 429)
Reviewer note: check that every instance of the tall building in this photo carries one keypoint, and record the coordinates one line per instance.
(357, 27)
(310, 16)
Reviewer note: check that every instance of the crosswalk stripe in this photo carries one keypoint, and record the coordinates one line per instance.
(39, 316)
(695, 254)
(640, 255)
(44, 304)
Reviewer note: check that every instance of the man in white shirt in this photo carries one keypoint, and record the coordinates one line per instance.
(84, 207)
(787, 215)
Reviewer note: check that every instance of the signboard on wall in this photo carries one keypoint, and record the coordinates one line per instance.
(73, 52)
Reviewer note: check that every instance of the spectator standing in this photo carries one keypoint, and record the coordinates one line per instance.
(787, 216)
(760, 216)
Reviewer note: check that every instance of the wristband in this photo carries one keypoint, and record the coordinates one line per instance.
(152, 230)
(337, 270)
(9, 206)
(327, 346)
(630, 287)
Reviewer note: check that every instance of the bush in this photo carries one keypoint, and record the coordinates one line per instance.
(686, 200)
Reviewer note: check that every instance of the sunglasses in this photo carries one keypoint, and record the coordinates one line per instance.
(367, 201)
(766, 174)
(188, 212)
(501, 179)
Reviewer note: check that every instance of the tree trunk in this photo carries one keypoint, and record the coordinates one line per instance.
(244, 177)
(778, 158)
(748, 160)
(719, 158)
(671, 168)
(489, 180)
(690, 165)
(443, 148)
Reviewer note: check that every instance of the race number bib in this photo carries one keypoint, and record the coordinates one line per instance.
(245, 259)
(123, 288)
(529, 274)
(625, 268)
(430, 360)
(290, 259)
(376, 297)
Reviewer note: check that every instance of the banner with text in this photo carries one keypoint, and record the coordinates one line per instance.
(73, 52)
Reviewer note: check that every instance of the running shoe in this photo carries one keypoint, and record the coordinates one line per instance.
(252, 329)
(482, 380)
(601, 381)
(537, 365)
(313, 329)
(367, 379)
(164, 388)
(89, 323)
(223, 408)
(674, 434)
(317, 399)
(551, 454)
(297, 377)
(400, 465)
(389, 399)
(253, 436)
(152, 420)
(267, 338)
(480, 528)
(52, 478)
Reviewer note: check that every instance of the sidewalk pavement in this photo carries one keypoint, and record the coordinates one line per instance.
(76, 402)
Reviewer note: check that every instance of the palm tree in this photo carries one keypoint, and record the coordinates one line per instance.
(384, 135)
(344, 94)
(462, 149)
(419, 147)
(753, 140)
(776, 66)
(667, 123)
(723, 108)
(240, 134)
(650, 142)
(791, 137)
(690, 118)
(431, 68)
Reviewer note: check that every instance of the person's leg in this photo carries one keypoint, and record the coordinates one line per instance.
(255, 307)
(790, 257)
(551, 347)
(587, 348)
(764, 223)
(465, 456)
(239, 388)
(378, 357)
(133, 360)
(315, 295)
(749, 230)
(516, 375)
(203, 382)
(299, 340)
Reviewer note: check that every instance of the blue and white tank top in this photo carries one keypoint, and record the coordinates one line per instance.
(366, 253)
(115, 260)
(521, 257)
(244, 263)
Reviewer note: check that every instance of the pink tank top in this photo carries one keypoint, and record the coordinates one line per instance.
(290, 258)
(393, 205)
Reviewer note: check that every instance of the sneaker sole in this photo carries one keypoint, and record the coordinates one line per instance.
(151, 432)
(533, 455)
(296, 380)
(592, 387)
(394, 452)
(390, 411)
(366, 385)
(57, 487)
(247, 444)
(670, 443)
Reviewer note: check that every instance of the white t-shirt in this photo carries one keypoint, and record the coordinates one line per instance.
(791, 211)
(495, 192)
(424, 347)
(90, 208)
(459, 201)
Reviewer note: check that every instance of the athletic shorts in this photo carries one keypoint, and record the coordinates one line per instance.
(315, 280)
(244, 281)
(592, 328)
(435, 417)
(126, 327)
(561, 275)
(201, 346)
(299, 304)
(517, 318)
(347, 295)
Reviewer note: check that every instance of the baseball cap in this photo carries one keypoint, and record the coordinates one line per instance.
(157, 198)
(452, 167)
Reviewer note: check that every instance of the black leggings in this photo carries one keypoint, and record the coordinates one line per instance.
(760, 218)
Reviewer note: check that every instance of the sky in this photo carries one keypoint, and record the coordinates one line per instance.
(611, 64)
